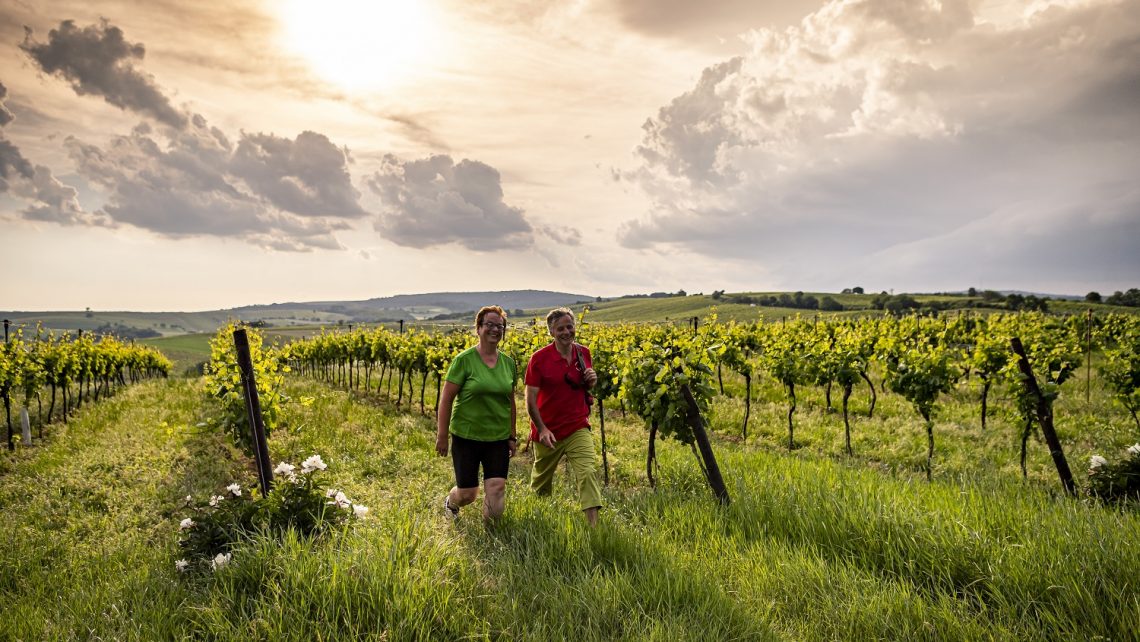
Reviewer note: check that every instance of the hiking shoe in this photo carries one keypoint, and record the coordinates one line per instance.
(451, 512)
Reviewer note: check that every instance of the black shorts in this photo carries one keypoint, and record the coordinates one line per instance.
(468, 454)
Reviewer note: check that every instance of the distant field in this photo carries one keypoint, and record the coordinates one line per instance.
(165, 323)
(186, 351)
(681, 309)
(285, 324)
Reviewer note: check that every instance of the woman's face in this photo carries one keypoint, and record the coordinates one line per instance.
(563, 329)
(491, 329)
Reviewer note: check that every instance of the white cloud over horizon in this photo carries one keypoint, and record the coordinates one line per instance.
(875, 128)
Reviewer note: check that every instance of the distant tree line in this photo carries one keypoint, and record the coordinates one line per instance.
(517, 314)
(654, 295)
(1131, 298)
(996, 300)
(127, 332)
(798, 301)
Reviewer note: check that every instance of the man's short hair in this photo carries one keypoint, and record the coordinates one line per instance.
(556, 314)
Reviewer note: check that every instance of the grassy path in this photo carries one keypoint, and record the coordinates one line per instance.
(810, 549)
(86, 518)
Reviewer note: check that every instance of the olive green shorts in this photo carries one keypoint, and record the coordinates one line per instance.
(578, 449)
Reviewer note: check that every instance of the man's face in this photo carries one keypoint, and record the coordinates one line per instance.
(563, 329)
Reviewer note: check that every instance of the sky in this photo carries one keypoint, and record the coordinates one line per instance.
(170, 155)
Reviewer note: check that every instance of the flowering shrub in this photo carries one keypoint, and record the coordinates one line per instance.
(1117, 481)
(297, 501)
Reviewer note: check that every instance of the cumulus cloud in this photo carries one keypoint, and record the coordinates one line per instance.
(186, 188)
(562, 234)
(307, 176)
(98, 60)
(878, 124)
(53, 201)
(435, 201)
(187, 179)
(5, 115)
(13, 165)
(50, 200)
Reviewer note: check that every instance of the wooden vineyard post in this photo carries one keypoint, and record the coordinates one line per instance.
(7, 401)
(253, 409)
(1045, 417)
(1088, 355)
(712, 471)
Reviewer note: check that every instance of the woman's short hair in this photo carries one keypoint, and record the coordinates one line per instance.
(489, 308)
(556, 314)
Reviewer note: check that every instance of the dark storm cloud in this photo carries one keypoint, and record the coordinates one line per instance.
(307, 176)
(881, 124)
(97, 60)
(435, 201)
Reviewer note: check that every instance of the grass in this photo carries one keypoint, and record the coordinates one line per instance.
(816, 545)
(187, 351)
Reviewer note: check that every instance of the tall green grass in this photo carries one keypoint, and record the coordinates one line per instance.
(814, 546)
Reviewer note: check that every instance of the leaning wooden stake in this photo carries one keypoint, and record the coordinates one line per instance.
(712, 471)
(7, 402)
(1044, 417)
(253, 409)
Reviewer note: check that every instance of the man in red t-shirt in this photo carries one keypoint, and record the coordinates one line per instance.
(558, 379)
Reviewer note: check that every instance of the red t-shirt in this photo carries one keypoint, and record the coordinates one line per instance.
(562, 407)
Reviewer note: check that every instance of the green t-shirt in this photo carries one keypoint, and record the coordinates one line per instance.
(482, 408)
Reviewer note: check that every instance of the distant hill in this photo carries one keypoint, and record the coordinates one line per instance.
(422, 306)
(408, 307)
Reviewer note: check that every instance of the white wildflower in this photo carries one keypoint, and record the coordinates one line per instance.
(313, 463)
(216, 499)
(186, 524)
(181, 565)
(220, 560)
(234, 489)
(341, 501)
(1134, 449)
(1096, 461)
(331, 492)
(189, 499)
(359, 511)
(285, 470)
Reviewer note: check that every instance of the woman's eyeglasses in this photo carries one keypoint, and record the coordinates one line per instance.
(491, 326)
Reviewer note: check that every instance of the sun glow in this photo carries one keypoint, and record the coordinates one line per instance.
(360, 44)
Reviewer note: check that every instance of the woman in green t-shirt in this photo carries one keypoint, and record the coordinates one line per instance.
(481, 385)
